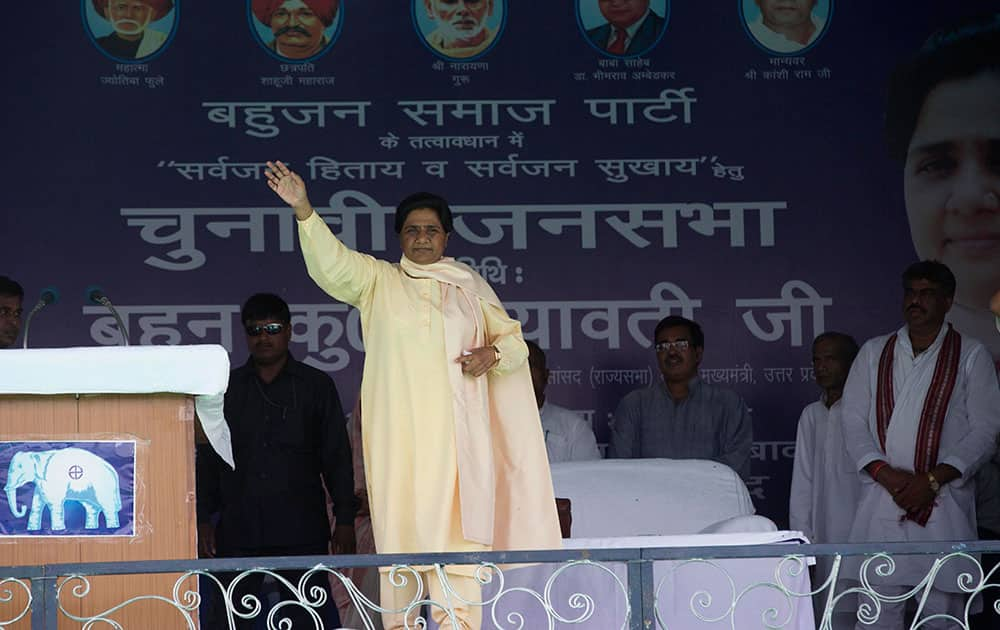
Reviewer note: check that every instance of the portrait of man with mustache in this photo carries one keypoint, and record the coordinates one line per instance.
(300, 27)
(131, 37)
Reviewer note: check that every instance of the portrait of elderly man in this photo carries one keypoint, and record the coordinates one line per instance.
(786, 26)
(943, 126)
(632, 27)
(450, 432)
(131, 37)
(461, 26)
(299, 27)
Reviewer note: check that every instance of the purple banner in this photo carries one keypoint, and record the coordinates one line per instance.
(699, 166)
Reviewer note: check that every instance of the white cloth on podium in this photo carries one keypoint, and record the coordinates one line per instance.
(641, 497)
(200, 370)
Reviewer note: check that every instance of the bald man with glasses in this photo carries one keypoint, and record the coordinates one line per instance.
(679, 416)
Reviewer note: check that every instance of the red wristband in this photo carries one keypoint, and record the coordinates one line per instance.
(879, 466)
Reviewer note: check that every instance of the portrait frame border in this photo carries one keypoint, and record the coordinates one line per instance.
(796, 53)
(334, 38)
(162, 49)
(501, 29)
(667, 13)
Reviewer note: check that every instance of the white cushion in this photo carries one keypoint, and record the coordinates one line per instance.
(642, 497)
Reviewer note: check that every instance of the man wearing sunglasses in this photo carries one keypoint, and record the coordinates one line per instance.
(289, 438)
(11, 297)
(679, 416)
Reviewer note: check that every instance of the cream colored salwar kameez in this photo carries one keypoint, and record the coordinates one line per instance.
(441, 476)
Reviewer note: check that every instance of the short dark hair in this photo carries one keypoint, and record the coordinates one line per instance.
(847, 347)
(265, 306)
(933, 270)
(697, 336)
(535, 350)
(11, 287)
(420, 200)
(958, 52)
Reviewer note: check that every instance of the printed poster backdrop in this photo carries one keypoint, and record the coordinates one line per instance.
(706, 175)
(67, 488)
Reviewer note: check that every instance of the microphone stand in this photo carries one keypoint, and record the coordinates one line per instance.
(97, 297)
(49, 296)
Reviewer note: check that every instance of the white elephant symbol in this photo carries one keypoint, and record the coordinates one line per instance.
(66, 474)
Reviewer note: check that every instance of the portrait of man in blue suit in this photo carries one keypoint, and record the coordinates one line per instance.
(632, 27)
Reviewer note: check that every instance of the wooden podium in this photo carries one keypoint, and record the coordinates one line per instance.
(165, 525)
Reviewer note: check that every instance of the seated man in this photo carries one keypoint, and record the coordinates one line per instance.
(11, 296)
(568, 437)
(680, 416)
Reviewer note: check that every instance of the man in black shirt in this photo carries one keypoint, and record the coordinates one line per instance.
(289, 437)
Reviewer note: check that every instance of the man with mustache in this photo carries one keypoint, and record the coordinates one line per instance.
(299, 26)
(131, 38)
(11, 297)
(461, 26)
(289, 440)
(680, 416)
(921, 412)
(786, 26)
(632, 27)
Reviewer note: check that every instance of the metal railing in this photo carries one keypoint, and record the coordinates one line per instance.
(640, 597)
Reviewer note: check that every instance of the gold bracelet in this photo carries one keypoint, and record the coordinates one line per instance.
(496, 355)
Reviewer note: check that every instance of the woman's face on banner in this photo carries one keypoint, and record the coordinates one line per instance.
(951, 183)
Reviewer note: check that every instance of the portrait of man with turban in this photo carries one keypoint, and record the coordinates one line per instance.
(131, 37)
(299, 27)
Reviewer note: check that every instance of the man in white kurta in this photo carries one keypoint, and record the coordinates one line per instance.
(825, 485)
(971, 420)
(568, 437)
(454, 461)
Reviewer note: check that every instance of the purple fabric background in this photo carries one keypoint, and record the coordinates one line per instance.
(79, 152)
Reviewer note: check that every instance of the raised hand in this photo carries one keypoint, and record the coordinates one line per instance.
(289, 186)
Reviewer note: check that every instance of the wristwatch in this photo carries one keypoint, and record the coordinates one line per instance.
(935, 486)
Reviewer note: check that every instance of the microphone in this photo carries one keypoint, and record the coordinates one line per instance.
(95, 295)
(49, 295)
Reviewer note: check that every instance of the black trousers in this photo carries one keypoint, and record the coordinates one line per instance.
(214, 611)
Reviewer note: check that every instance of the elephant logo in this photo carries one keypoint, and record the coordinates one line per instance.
(66, 474)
